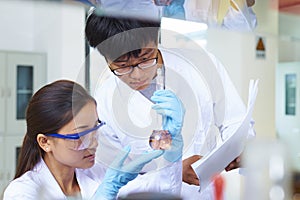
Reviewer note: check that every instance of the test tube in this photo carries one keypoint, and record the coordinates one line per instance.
(160, 79)
(160, 139)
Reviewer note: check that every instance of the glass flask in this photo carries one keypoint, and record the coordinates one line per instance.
(160, 139)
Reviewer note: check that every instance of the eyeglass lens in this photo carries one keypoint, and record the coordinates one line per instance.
(143, 65)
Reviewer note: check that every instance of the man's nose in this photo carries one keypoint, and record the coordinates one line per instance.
(136, 72)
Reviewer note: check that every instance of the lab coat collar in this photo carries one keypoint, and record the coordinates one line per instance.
(87, 185)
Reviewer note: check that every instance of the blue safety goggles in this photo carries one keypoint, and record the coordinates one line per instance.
(80, 140)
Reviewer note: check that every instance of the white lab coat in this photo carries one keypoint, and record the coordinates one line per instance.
(212, 105)
(195, 10)
(113, 103)
(240, 20)
(39, 183)
(140, 8)
(201, 11)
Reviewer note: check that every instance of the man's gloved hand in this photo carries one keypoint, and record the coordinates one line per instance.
(118, 174)
(170, 107)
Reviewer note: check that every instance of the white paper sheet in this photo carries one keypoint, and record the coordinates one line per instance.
(216, 161)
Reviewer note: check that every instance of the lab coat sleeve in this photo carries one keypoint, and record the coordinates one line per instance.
(167, 179)
(234, 106)
(22, 189)
(109, 146)
(109, 141)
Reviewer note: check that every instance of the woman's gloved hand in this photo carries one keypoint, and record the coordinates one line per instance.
(119, 174)
(170, 107)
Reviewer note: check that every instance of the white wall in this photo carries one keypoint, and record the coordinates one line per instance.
(236, 50)
(17, 25)
(56, 30)
(52, 28)
(288, 126)
(289, 38)
(237, 53)
(267, 15)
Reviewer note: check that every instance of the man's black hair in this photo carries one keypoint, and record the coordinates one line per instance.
(115, 36)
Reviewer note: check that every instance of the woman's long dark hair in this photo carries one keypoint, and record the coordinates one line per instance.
(50, 108)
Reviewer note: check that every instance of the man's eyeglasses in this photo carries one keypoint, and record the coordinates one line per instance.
(81, 140)
(145, 64)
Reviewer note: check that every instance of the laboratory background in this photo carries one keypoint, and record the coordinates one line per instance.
(43, 41)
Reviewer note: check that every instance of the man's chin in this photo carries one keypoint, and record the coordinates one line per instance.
(139, 88)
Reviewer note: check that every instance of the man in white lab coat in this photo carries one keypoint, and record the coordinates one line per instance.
(213, 106)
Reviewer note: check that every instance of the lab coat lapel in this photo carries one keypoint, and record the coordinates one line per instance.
(87, 185)
(50, 188)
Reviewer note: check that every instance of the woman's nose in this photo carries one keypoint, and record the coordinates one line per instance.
(94, 140)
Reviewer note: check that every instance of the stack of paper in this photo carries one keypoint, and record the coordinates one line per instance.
(216, 161)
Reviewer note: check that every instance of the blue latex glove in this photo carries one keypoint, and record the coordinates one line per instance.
(175, 10)
(170, 107)
(118, 174)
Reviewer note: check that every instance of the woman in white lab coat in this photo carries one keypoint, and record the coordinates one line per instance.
(213, 106)
(57, 158)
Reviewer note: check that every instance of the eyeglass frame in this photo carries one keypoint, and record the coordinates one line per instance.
(76, 136)
(133, 66)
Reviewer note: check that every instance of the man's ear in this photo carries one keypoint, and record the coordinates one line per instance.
(43, 142)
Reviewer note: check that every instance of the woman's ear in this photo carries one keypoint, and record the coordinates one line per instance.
(43, 142)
